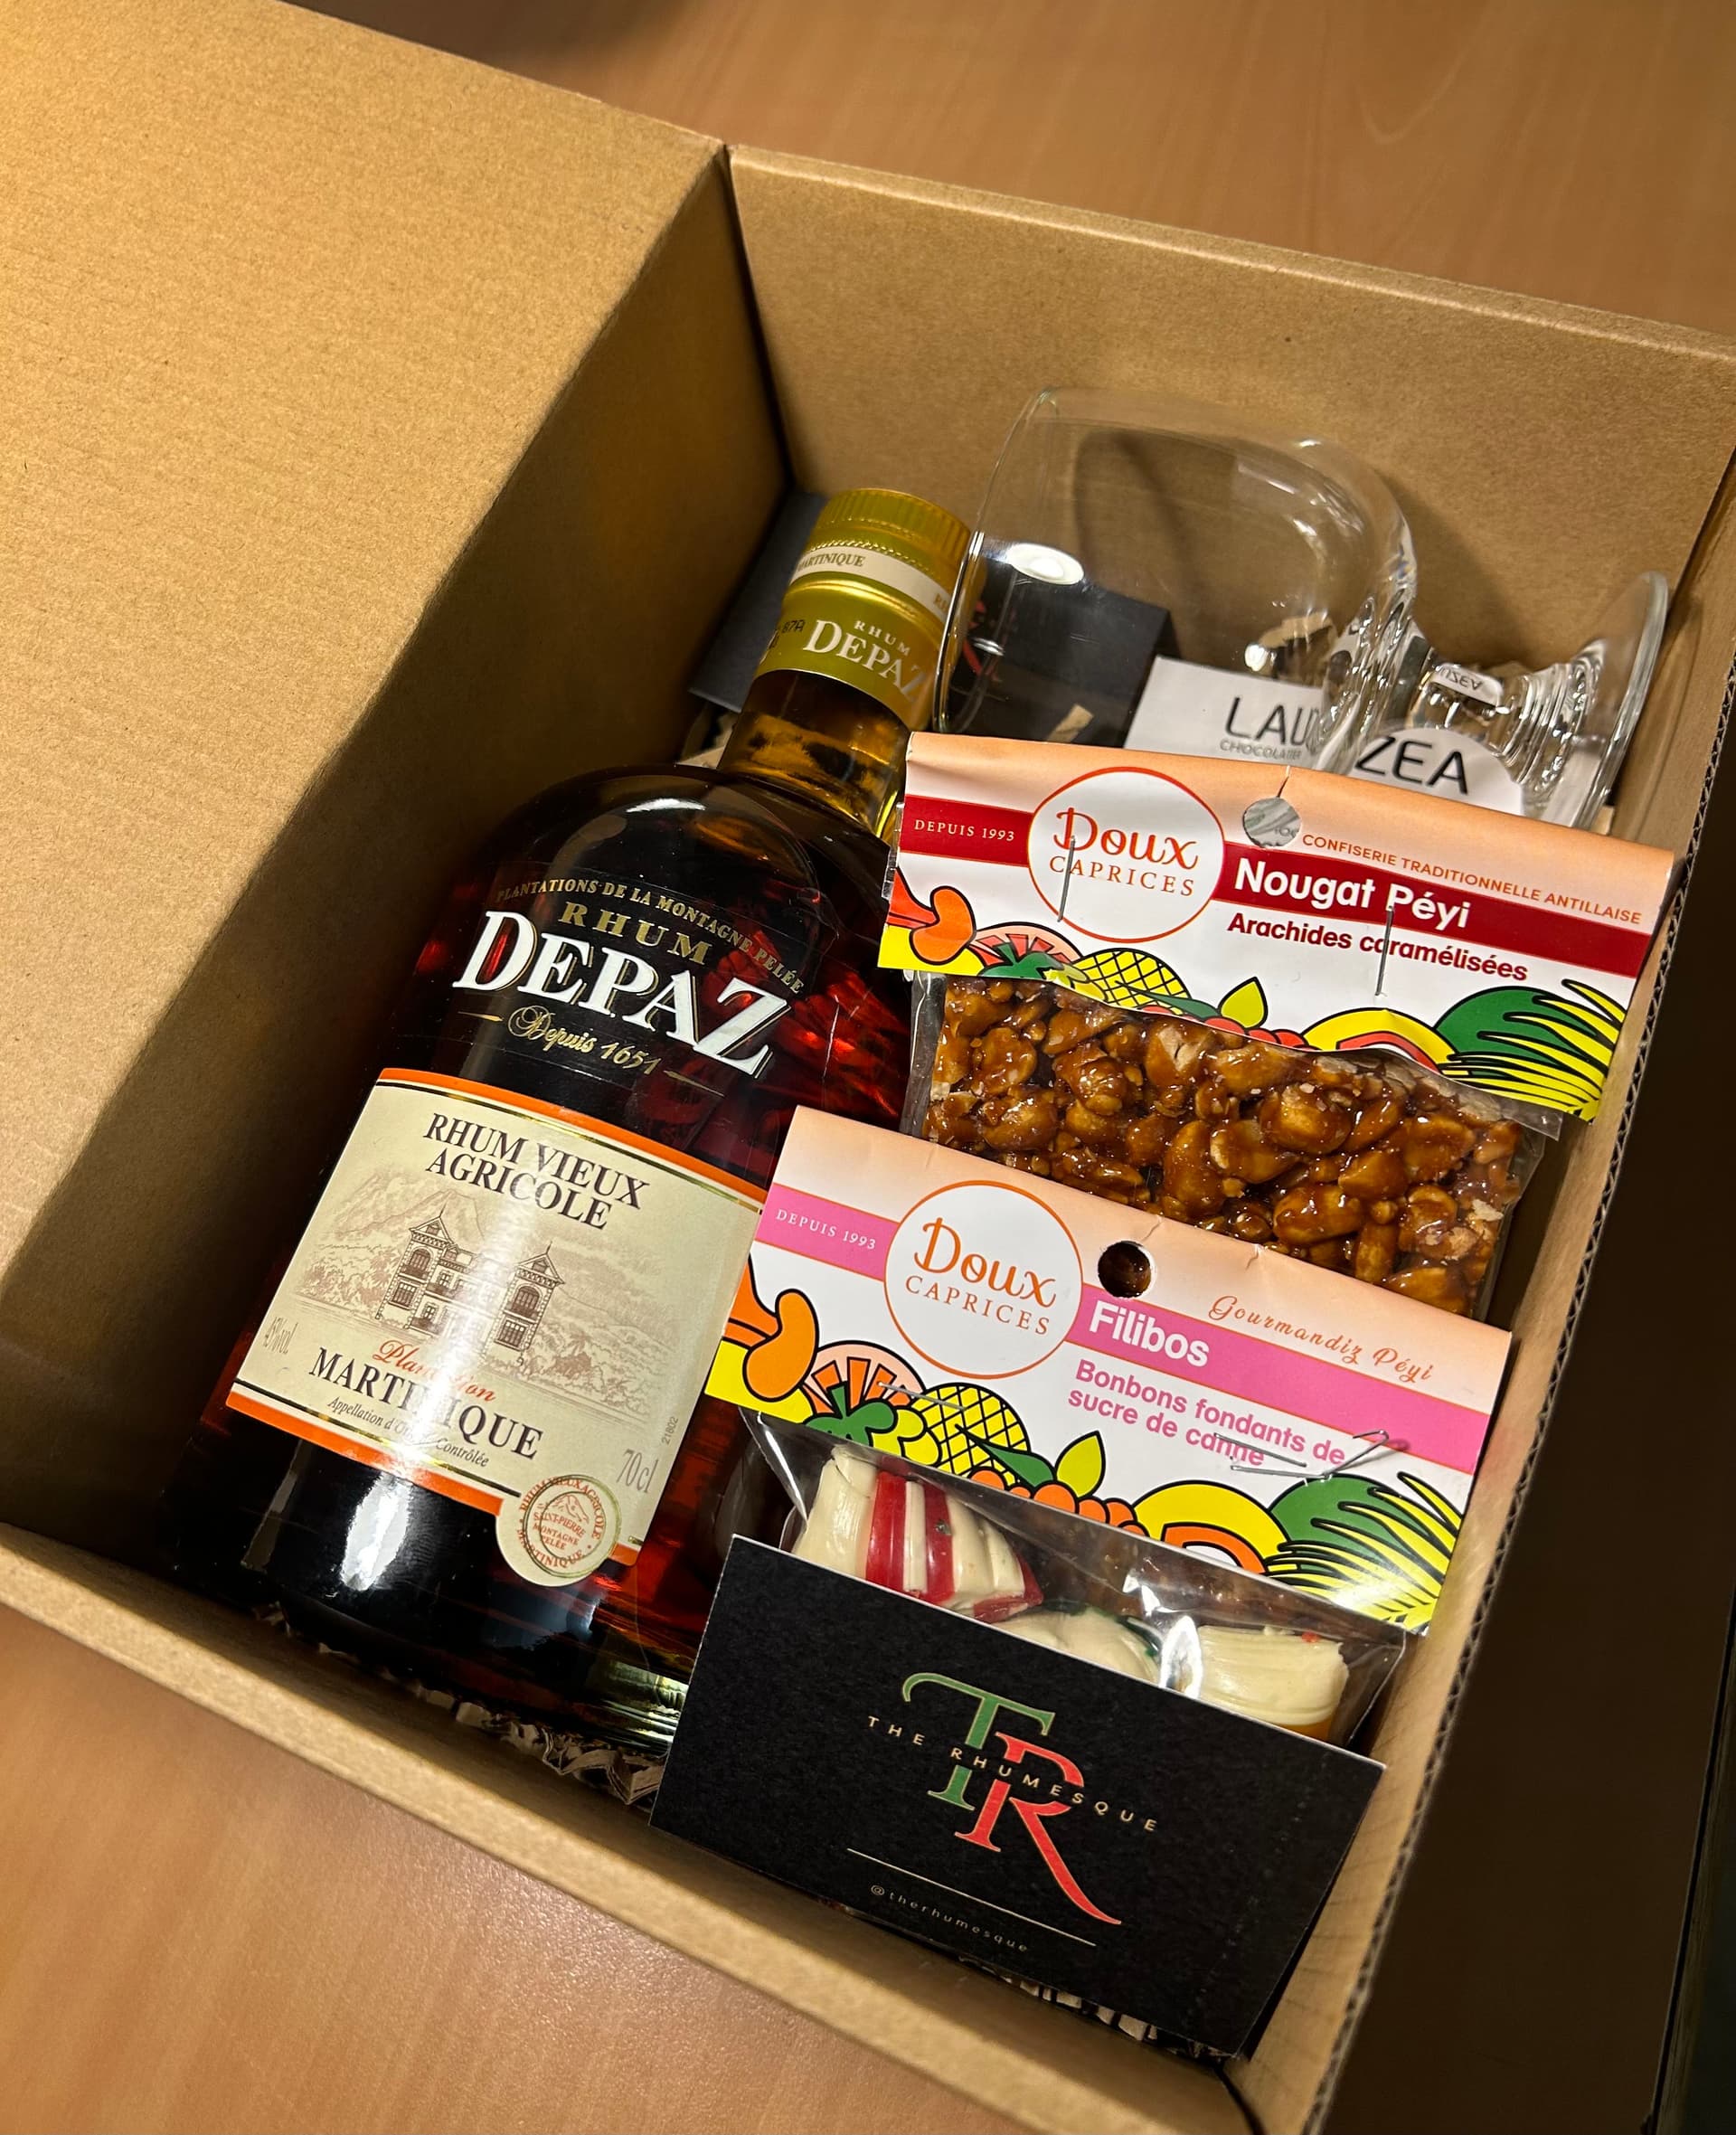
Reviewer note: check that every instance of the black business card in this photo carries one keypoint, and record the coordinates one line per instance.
(1035, 1811)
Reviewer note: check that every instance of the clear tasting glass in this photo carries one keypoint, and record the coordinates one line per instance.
(1164, 574)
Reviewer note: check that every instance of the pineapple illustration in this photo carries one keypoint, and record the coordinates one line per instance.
(1131, 978)
(956, 1426)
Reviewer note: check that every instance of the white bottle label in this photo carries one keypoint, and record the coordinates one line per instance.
(510, 1303)
(850, 559)
(1186, 710)
(1435, 759)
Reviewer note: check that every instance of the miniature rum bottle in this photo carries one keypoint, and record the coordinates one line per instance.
(463, 1438)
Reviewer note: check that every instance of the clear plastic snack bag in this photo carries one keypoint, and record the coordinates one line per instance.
(1112, 1596)
(1359, 1161)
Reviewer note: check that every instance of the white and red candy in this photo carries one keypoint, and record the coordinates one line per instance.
(914, 1538)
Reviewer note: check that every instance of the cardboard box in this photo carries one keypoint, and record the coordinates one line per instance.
(389, 438)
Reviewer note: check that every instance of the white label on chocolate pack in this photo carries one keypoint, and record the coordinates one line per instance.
(1434, 760)
(1191, 710)
(510, 1303)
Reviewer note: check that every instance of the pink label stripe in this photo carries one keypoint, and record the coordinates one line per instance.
(1245, 1368)
(827, 1231)
(1238, 1366)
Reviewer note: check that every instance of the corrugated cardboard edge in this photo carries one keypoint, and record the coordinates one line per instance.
(1041, 2067)
(278, 44)
(1506, 460)
(284, 889)
(870, 1990)
(1474, 299)
(1287, 2081)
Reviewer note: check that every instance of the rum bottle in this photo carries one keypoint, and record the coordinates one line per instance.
(463, 1439)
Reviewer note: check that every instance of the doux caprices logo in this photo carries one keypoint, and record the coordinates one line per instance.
(1124, 855)
(983, 1280)
(1015, 1783)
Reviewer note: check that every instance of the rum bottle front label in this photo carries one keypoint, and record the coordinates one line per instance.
(510, 1302)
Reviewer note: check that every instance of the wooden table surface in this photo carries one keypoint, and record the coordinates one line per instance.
(1581, 149)
(198, 1932)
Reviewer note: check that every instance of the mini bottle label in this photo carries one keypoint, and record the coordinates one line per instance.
(852, 560)
(511, 1303)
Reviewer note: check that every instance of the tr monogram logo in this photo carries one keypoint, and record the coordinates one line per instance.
(1035, 1817)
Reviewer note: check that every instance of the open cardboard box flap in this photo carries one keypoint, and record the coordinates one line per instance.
(394, 434)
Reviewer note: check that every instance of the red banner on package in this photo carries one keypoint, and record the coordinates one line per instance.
(1315, 910)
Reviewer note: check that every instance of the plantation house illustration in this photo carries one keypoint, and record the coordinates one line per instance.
(449, 1282)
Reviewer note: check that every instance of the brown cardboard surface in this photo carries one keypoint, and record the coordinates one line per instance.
(1543, 454)
(297, 1960)
(396, 432)
(291, 303)
(1515, 1716)
(1035, 2062)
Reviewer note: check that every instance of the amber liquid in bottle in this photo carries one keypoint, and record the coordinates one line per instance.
(643, 975)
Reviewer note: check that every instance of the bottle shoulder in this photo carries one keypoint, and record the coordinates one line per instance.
(690, 816)
(684, 953)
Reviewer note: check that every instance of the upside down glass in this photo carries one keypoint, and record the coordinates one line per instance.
(1164, 574)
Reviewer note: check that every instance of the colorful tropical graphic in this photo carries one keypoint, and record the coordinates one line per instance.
(1022, 952)
(766, 1353)
(1521, 1042)
(1216, 1518)
(955, 1426)
(1389, 1028)
(1546, 1048)
(771, 1363)
(848, 1377)
(1070, 1485)
(941, 931)
(853, 1391)
(1382, 1548)
(1129, 979)
(1211, 1517)
(1242, 1013)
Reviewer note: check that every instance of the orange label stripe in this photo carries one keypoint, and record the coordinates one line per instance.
(382, 1458)
(537, 1107)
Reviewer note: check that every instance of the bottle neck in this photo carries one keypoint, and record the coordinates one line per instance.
(836, 746)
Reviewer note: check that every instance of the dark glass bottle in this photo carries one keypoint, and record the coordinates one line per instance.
(465, 1438)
